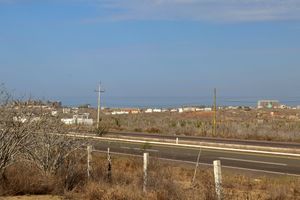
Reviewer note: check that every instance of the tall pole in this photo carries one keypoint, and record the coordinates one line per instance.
(99, 103)
(215, 113)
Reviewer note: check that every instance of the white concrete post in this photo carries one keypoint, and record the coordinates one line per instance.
(89, 160)
(218, 178)
(146, 158)
(177, 140)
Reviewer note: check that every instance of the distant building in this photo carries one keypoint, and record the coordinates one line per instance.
(268, 104)
(208, 109)
(78, 119)
(149, 110)
(121, 112)
(189, 109)
(66, 110)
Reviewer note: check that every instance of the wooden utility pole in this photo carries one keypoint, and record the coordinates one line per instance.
(99, 103)
(215, 113)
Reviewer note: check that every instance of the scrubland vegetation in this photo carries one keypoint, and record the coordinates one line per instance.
(166, 181)
(37, 159)
(277, 125)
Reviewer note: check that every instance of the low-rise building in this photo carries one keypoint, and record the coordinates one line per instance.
(121, 112)
(149, 110)
(79, 119)
(157, 110)
(270, 104)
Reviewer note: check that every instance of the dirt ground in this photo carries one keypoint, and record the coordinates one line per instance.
(34, 197)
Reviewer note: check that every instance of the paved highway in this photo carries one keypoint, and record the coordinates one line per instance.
(237, 160)
(209, 139)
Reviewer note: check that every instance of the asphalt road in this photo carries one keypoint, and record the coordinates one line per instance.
(209, 139)
(236, 160)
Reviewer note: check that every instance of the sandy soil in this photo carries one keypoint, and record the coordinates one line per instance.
(35, 197)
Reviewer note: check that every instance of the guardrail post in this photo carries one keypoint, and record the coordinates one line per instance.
(218, 178)
(177, 140)
(146, 158)
(89, 160)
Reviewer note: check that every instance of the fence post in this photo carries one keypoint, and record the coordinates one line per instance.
(146, 158)
(218, 178)
(109, 165)
(89, 160)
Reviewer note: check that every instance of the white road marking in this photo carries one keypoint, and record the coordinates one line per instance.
(152, 150)
(253, 161)
(180, 145)
(139, 149)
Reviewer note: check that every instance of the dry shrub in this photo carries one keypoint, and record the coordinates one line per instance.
(204, 185)
(73, 173)
(153, 130)
(104, 191)
(162, 181)
(94, 192)
(278, 192)
(24, 178)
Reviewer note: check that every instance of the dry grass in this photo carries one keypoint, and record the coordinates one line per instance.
(278, 125)
(166, 181)
(35, 197)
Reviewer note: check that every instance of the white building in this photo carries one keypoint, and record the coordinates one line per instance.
(66, 110)
(189, 109)
(121, 112)
(79, 119)
(208, 109)
(149, 110)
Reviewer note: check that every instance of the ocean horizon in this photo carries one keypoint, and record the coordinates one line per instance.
(153, 102)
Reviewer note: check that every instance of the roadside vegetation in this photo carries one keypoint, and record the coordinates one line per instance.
(166, 181)
(270, 125)
(37, 158)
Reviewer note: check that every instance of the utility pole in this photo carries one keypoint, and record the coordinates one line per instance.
(215, 113)
(99, 103)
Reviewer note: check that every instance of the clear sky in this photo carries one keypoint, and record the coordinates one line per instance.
(60, 49)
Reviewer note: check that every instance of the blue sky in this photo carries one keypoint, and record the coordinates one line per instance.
(60, 49)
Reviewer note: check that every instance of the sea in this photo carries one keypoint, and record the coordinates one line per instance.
(153, 102)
